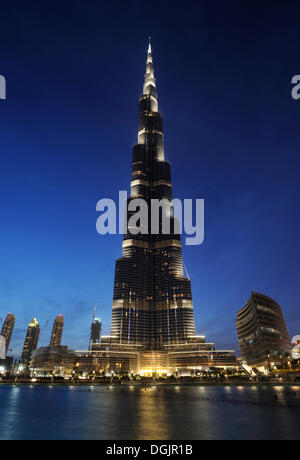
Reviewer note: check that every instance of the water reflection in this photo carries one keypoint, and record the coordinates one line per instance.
(9, 408)
(162, 412)
(152, 414)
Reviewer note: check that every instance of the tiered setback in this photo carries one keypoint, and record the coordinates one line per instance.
(153, 324)
(152, 303)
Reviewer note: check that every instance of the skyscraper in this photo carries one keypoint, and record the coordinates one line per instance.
(2, 348)
(31, 341)
(262, 333)
(7, 329)
(96, 327)
(152, 328)
(152, 302)
(57, 331)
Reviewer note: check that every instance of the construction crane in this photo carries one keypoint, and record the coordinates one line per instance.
(44, 327)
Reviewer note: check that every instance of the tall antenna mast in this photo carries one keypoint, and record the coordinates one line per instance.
(94, 314)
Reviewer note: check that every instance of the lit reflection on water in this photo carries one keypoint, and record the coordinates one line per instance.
(162, 412)
(151, 415)
(12, 400)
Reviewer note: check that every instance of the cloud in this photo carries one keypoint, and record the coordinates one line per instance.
(51, 302)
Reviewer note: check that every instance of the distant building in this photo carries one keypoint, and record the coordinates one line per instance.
(57, 331)
(2, 347)
(95, 332)
(296, 347)
(31, 341)
(262, 333)
(52, 361)
(7, 329)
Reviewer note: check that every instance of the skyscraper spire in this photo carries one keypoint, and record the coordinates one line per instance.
(95, 309)
(149, 46)
(150, 82)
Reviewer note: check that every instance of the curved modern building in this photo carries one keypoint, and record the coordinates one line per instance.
(53, 361)
(262, 333)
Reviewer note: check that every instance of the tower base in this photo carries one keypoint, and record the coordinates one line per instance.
(178, 359)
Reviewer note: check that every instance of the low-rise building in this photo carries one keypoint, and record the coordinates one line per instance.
(180, 359)
(52, 361)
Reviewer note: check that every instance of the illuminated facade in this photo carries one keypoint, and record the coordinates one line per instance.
(296, 347)
(152, 303)
(55, 361)
(153, 324)
(57, 331)
(2, 347)
(31, 341)
(262, 333)
(7, 329)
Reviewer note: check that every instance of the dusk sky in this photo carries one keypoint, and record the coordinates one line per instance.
(74, 73)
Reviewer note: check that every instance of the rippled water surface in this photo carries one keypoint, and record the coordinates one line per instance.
(166, 412)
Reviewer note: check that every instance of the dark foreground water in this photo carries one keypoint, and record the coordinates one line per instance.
(183, 412)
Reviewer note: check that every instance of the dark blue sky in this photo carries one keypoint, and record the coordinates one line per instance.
(74, 73)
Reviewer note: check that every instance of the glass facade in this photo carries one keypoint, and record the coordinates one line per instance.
(153, 328)
(262, 332)
(152, 303)
(52, 361)
(95, 332)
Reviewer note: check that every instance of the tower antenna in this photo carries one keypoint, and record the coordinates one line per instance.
(149, 45)
(95, 309)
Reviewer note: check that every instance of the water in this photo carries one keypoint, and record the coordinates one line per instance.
(166, 412)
